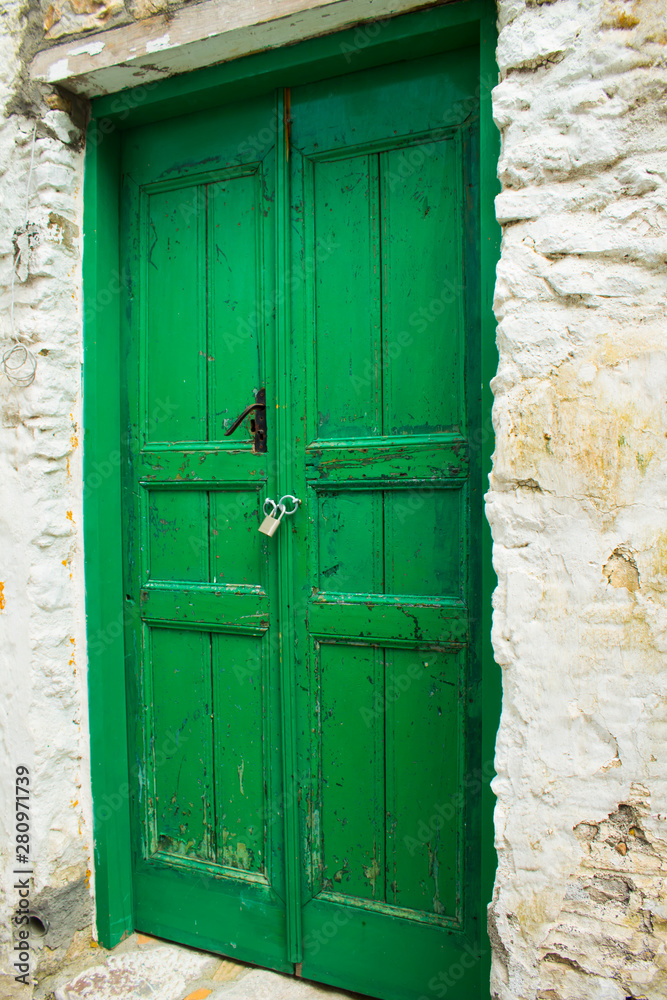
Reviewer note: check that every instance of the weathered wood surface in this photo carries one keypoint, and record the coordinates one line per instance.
(201, 35)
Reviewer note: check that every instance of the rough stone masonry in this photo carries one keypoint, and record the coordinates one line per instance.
(577, 500)
(42, 638)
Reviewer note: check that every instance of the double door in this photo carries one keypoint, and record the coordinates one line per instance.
(304, 706)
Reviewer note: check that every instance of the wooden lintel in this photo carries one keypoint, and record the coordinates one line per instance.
(196, 36)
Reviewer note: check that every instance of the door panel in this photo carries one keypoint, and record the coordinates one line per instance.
(174, 279)
(423, 725)
(340, 210)
(421, 205)
(181, 698)
(387, 658)
(304, 708)
(348, 856)
(198, 228)
(397, 542)
(238, 299)
(241, 764)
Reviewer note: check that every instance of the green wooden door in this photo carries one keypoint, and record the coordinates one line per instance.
(305, 707)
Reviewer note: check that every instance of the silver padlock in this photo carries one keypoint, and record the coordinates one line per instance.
(274, 513)
(271, 522)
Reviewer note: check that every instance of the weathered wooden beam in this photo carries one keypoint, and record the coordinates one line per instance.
(203, 34)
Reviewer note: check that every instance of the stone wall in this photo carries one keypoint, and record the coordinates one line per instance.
(578, 501)
(43, 719)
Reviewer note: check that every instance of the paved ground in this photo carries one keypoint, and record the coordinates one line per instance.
(143, 967)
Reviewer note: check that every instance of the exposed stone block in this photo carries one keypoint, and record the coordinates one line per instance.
(67, 17)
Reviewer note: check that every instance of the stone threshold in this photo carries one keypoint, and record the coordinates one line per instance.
(143, 967)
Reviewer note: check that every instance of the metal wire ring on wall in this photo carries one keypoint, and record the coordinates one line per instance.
(19, 365)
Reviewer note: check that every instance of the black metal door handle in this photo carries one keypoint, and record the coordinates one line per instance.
(258, 425)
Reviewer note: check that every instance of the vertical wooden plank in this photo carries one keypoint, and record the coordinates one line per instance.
(349, 542)
(102, 534)
(176, 524)
(238, 309)
(303, 411)
(239, 714)
(422, 292)
(345, 258)
(283, 464)
(180, 742)
(237, 555)
(424, 800)
(352, 776)
(425, 542)
(175, 326)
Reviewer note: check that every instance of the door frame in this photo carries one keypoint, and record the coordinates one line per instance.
(438, 28)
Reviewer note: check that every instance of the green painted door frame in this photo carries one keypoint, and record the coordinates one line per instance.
(436, 30)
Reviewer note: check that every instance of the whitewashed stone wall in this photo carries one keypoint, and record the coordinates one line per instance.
(578, 501)
(43, 721)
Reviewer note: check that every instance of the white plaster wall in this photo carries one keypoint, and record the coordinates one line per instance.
(42, 637)
(578, 501)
